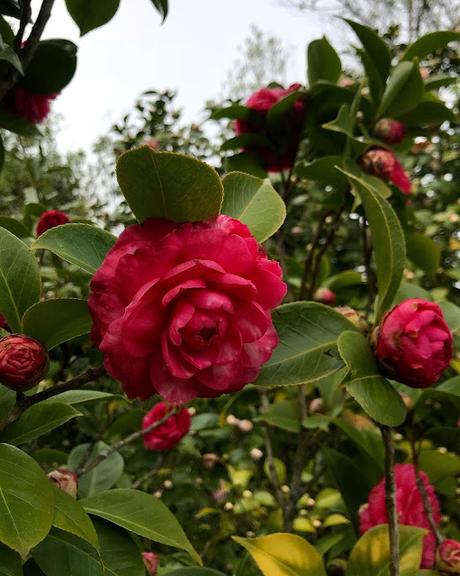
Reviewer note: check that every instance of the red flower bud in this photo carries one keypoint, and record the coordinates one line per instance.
(168, 434)
(354, 316)
(449, 556)
(325, 296)
(23, 362)
(390, 131)
(51, 219)
(66, 480)
(384, 164)
(414, 343)
(150, 562)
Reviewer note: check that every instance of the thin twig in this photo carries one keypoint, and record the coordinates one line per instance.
(150, 474)
(367, 253)
(25, 17)
(390, 500)
(310, 254)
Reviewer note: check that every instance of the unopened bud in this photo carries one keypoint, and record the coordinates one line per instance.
(209, 460)
(256, 454)
(245, 425)
(325, 296)
(23, 362)
(354, 317)
(315, 405)
(150, 562)
(232, 420)
(66, 480)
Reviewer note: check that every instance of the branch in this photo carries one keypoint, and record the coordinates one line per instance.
(25, 17)
(309, 259)
(390, 499)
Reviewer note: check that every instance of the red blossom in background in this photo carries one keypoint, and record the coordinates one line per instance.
(390, 131)
(409, 506)
(167, 435)
(414, 343)
(325, 296)
(183, 310)
(384, 164)
(32, 106)
(51, 219)
(449, 556)
(279, 156)
(150, 562)
(23, 362)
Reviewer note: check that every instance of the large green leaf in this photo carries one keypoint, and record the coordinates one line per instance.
(323, 62)
(10, 8)
(388, 241)
(142, 514)
(403, 91)
(37, 420)
(7, 401)
(255, 202)
(323, 170)
(424, 253)
(90, 14)
(284, 555)
(371, 554)
(428, 114)
(307, 348)
(430, 43)
(70, 516)
(80, 244)
(14, 226)
(17, 124)
(284, 414)
(10, 562)
(76, 397)
(63, 553)
(52, 67)
(167, 185)
(26, 500)
(19, 279)
(53, 322)
(119, 553)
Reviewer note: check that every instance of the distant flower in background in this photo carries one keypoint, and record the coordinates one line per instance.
(168, 434)
(31, 106)
(384, 164)
(51, 219)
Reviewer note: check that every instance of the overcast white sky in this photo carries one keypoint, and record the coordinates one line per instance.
(191, 52)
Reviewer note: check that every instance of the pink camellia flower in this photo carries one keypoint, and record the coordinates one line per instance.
(183, 310)
(150, 562)
(390, 131)
(51, 219)
(66, 480)
(168, 434)
(409, 506)
(325, 296)
(278, 156)
(23, 362)
(384, 164)
(32, 106)
(449, 556)
(414, 343)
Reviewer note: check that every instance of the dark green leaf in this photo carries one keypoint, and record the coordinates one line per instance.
(17, 124)
(9, 55)
(430, 43)
(162, 7)
(14, 226)
(91, 14)
(233, 112)
(439, 81)
(284, 414)
(76, 397)
(70, 516)
(375, 47)
(403, 91)
(249, 140)
(451, 314)
(323, 170)
(119, 554)
(7, 401)
(323, 62)
(10, 8)
(6, 32)
(52, 67)
(424, 253)
(192, 571)
(10, 562)
(428, 114)
(245, 162)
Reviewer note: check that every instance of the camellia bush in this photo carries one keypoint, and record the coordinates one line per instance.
(260, 373)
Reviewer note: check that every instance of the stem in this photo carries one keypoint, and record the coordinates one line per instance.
(140, 481)
(310, 254)
(367, 253)
(25, 17)
(390, 498)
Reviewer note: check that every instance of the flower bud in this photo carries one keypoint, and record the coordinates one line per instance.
(153, 143)
(256, 454)
(384, 164)
(354, 316)
(23, 362)
(316, 405)
(209, 460)
(150, 562)
(390, 131)
(449, 556)
(325, 296)
(66, 480)
(245, 425)
(51, 219)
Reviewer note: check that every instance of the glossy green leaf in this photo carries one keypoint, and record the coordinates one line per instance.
(323, 170)
(37, 420)
(77, 397)
(438, 465)
(167, 185)
(429, 43)
(162, 7)
(142, 514)
(254, 202)
(451, 314)
(63, 553)
(53, 322)
(52, 67)
(70, 516)
(376, 48)
(284, 555)
(120, 555)
(439, 81)
(81, 244)
(7, 401)
(14, 226)
(428, 114)
(388, 242)
(307, 348)
(25, 493)
(233, 112)
(247, 163)
(284, 414)
(323, 62)
(10, 562)
(424, 252)
(91, 14)
(19, 279)
(371, 554)
(403, 91)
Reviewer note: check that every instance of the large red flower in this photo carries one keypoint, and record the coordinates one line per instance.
(168, 434)
(409, 506)
(32, 106)
(280, 153)
(184, 309)
(384, 164)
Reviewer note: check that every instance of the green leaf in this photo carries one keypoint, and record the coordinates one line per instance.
(14, 226)
(284, 414)
(10, 8)
(316, 421)
(307, 349)
(427, 114)
(323, 62)
(368, 440)
(439, 81)
(323, 170)
(247, 163)
(17, 124)
(91, 14)
(81, 244)
(276, 116)
(254, 202)
(52, 67)
(451, 314)
(119, 553)
(7, 401)
(25, 493)
(63, 553)
(167, 185)
(284, 555)
(53, 322)
(142, 514)
(376, 49)
(192, 571)
(424, 253)
(388, 242)
(103, 476)
(6, 31)
(430, 43)
(439, 466)
(9, 55)
(247, 140)
(76, 397)
(70, 516)
(403, 91)
(233, 112)
(37, 420)
(371, 554)
(10, 562)
(162, 7)
(19, 279)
